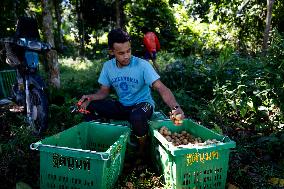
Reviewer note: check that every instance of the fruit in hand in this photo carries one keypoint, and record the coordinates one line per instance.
(177, 118)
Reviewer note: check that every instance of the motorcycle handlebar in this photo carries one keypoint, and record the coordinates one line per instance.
(28, 44)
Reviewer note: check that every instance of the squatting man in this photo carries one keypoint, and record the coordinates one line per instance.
(132, 78)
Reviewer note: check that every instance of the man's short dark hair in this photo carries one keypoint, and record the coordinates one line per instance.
(117, 36)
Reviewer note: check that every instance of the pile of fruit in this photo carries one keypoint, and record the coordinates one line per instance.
(184, 138)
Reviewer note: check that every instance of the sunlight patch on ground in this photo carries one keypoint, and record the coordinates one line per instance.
(77, 64)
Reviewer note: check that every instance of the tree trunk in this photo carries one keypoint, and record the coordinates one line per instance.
(52, 60)
(117, 12)
(80, 27)
(267, 26)
(14, 11)
(58, 12)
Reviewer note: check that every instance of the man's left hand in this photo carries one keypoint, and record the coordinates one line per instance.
(177, 116)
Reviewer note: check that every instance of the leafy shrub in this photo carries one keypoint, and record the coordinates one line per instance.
(79, 76)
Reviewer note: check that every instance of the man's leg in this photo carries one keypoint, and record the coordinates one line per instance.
(138, 118)
(108, 109)
(153, 58)
(147, 55)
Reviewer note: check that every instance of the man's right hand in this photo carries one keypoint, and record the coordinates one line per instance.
(84, 102)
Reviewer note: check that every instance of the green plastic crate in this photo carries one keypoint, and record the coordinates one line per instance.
(191, 167)
(7, 79)
(89, 155)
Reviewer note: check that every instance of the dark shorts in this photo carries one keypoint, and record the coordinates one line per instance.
(147, 55)
(137, 115)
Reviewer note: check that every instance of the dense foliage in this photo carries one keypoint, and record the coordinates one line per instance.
(185, 27)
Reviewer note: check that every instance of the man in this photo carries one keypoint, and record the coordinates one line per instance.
(132, 78)
(152, 45)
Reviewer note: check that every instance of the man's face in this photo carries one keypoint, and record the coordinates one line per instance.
(122, 53)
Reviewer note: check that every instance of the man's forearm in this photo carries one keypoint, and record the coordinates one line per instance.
(176, 113)
(98, 96)
(102, 93)
(168, 97)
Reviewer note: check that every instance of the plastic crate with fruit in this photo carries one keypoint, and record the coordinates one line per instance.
(190, 156)
(88, 155)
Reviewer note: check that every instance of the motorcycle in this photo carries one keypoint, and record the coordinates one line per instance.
(29, 89)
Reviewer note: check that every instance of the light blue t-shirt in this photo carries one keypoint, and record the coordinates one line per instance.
(132, 83)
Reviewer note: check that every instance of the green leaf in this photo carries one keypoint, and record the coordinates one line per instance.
(243, 111)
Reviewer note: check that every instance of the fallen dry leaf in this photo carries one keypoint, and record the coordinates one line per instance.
(129, 185)
(231, 186)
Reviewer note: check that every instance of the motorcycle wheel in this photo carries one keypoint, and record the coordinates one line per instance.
(39, 111)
